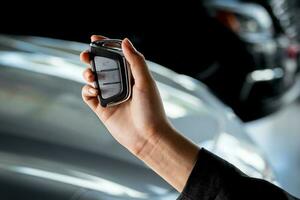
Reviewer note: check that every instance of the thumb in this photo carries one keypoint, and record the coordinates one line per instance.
(136, 61)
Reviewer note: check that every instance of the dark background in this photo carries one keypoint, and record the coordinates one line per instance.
(176, 34)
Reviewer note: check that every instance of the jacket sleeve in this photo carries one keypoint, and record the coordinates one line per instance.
(215, 179)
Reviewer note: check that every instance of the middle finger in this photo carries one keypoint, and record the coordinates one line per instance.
(88, 75)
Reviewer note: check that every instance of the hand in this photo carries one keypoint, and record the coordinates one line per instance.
(140, 124)
(135, 122)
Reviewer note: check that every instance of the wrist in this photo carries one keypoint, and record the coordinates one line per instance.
(152, 139)
(170, 155)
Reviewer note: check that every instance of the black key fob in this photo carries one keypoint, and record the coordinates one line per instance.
(111, 70)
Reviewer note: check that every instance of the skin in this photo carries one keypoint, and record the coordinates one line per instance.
(140, 124)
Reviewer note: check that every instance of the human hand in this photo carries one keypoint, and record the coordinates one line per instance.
(140, 124)
(134, 123)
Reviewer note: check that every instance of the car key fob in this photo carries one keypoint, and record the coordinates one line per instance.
(111, 71)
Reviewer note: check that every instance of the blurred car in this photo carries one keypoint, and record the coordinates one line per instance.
(53, 147)
(268, 33)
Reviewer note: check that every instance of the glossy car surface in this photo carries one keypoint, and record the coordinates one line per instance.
(193, 43)
(53, 147)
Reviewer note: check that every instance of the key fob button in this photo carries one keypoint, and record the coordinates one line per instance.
(110, 90)
(107, 77)
(103, 63)
(108, 74)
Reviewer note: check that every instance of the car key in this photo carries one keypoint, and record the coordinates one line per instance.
(111, 71)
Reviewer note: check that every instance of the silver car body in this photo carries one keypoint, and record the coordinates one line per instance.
(55, 147)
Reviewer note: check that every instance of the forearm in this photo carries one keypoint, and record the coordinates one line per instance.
(171, 156)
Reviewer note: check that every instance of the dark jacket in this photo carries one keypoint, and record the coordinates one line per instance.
(215, 179)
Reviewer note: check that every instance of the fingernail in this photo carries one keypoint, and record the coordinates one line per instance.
(92, 91)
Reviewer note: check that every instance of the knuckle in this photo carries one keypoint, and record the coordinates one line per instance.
(141, 55)
(138, 57)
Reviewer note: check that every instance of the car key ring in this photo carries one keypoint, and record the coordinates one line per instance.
(111, 71)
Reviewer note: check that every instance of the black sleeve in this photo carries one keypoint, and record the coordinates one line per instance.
(215, 179)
